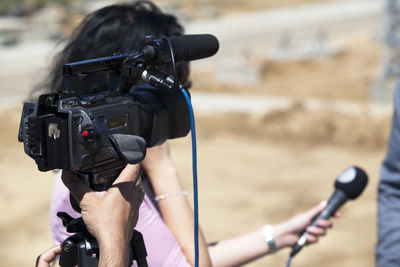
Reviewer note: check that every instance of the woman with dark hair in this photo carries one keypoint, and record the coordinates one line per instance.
(116, 28)
(165, 216)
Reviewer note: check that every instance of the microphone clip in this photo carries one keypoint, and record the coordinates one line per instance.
(157, 51)
(159, 79)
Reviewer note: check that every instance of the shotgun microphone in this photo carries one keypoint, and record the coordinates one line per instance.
(185, 47)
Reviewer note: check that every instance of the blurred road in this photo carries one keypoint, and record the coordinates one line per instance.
(263, 29)
(21, 68)
(25, 65)
(261, 105)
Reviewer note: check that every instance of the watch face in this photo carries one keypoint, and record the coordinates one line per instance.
(269, 236)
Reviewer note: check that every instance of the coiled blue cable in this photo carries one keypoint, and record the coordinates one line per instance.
(194, 166)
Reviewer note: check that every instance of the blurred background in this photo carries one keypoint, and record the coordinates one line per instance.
(299, 90)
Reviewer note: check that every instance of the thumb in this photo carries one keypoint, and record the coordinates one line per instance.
(130, 173)
(48, 256)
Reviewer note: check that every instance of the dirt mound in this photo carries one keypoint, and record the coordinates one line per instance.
(347, 75)
(300, 125)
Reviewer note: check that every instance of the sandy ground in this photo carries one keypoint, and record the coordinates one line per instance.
(252, 169)
(346, 75)
(244, 183)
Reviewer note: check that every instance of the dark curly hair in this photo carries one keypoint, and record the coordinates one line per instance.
(115, 28)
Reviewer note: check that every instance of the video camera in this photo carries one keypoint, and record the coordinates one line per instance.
(97, 135)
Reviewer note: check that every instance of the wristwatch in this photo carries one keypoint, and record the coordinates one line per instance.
(269, 236)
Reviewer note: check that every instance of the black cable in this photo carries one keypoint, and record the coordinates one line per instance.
(171, 50)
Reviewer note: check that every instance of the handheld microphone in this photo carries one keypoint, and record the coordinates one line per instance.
(185, 47)
(348, 185)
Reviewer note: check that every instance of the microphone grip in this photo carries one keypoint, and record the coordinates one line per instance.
(337, 199)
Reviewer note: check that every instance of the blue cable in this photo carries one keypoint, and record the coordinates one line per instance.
(195, 191)
(289, 261)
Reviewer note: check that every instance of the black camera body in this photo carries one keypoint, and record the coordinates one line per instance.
(96, 135)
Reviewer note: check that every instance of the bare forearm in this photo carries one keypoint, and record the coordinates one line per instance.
(114, 253)
(247, 247)
(238, 250)
(177, 213)
(110, 215)
(182, 228)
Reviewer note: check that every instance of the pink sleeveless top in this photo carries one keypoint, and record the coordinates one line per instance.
(162, 247)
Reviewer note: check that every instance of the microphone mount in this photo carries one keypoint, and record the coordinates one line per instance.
(126, 68)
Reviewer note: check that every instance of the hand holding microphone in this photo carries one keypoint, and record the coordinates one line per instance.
(287, 233)
(349, 185)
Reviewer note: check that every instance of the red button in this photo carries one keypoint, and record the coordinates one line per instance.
(85, 133)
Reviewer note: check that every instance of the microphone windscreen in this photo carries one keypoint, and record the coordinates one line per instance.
(194, 46)
(352, 181)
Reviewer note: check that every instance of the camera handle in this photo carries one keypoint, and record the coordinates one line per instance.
(82, 249)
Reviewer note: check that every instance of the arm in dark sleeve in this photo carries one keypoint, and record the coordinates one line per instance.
(388, 246)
